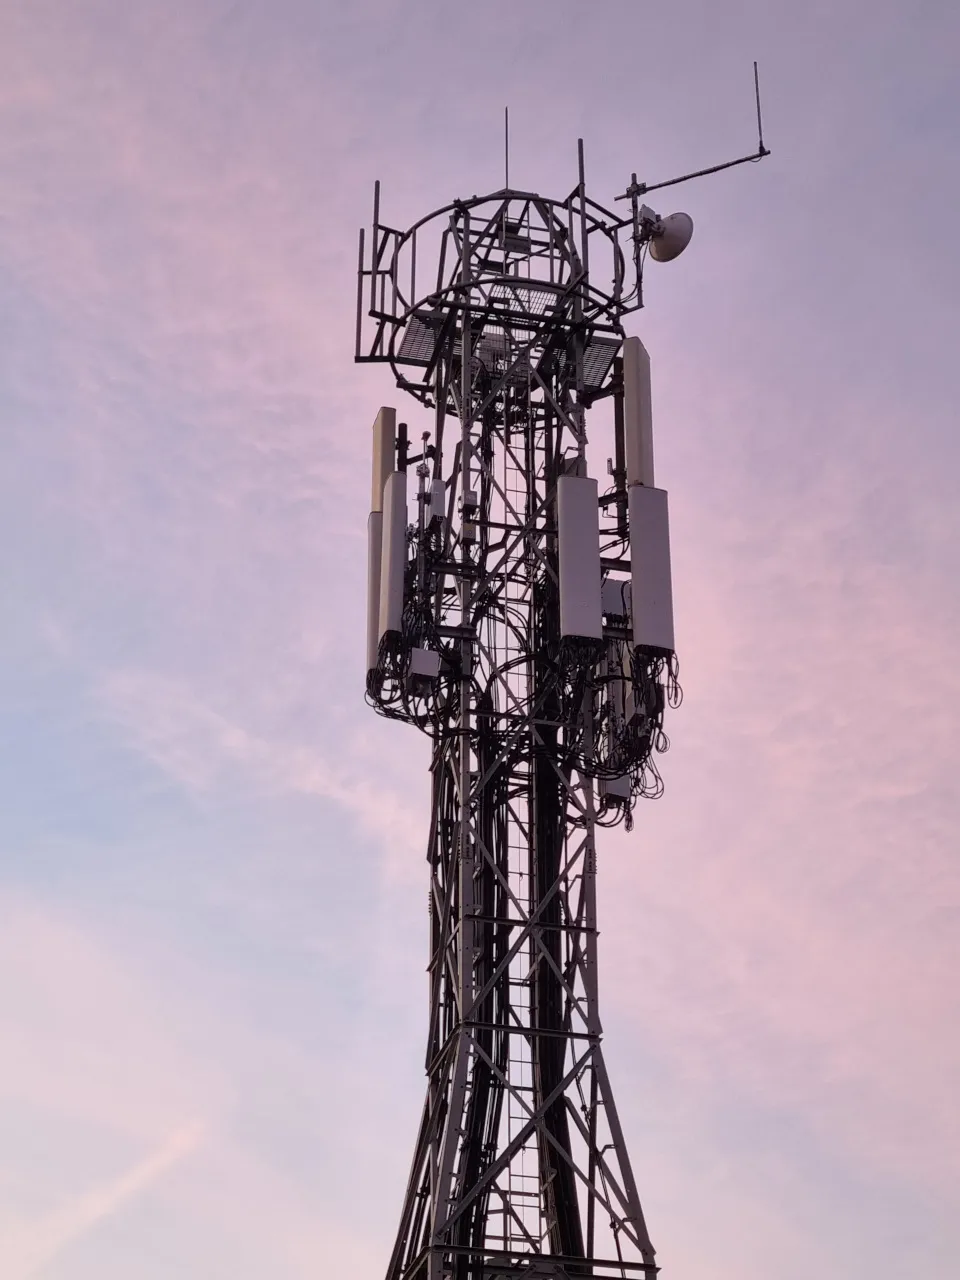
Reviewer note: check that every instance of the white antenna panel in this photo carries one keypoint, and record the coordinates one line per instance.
(637, 413)
(384, 453)
(650, 563)
(578, 546)
(374, 549)
(393, 555)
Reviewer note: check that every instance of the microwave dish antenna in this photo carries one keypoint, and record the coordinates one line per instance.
(674, 234)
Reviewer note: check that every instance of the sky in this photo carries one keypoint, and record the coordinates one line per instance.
(212, 876)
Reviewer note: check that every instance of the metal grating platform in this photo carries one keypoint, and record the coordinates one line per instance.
(419, 341)
(529, 296)
(597, 359)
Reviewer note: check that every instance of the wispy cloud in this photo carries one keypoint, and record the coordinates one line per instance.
(798, 943)
(26, 1249)
(184, 526)
(202, 749)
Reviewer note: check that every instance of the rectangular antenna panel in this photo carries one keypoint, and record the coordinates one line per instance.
(578, 543)
(650, 562)
(393, 557)
(374, 541)
(637, 413)
(384, 453)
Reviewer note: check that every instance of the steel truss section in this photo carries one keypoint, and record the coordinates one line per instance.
(520, 1166)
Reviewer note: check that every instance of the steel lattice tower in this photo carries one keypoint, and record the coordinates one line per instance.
(522, 620)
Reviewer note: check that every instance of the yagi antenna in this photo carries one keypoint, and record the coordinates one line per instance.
(642, 188)
(667, 237)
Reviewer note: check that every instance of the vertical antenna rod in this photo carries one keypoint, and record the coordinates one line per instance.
(761, 149)
(506, 147)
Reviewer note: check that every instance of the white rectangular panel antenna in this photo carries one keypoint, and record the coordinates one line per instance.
(393, 556)
(374, 544)
(650, 563)
(637, 413)
(384, 453)
(578, 544)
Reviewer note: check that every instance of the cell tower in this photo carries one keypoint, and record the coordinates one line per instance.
(523, 620)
